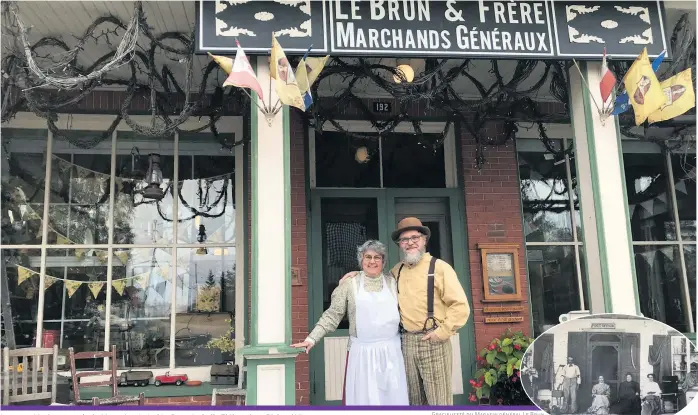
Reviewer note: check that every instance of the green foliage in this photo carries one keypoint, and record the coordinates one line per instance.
(502, 356)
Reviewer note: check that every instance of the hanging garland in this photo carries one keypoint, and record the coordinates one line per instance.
(503, 101)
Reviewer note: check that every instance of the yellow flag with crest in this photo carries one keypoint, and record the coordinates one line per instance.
(644, 91)
(680, 97)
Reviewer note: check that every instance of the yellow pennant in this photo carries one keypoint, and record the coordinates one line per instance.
(62, 240)
(49, 281)
(680, 97)
(72, 287)
(123, 256)
(644, 91)
(224, 62)
(285, 80)
(165, 272)
(142, 279)
(119, 286)
(102, 256)
(24, 274)
(95, 288)
(80, 253)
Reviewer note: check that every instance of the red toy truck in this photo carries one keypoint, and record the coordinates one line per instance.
(168, 379)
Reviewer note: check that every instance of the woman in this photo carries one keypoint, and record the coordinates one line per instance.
(600, 392)
(375, 372)
(628, 402)
(651, 396)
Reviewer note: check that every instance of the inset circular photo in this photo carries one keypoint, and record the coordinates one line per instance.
(611, 364)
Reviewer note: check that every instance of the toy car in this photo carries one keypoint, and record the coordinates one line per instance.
(168, 379)
(135, 378)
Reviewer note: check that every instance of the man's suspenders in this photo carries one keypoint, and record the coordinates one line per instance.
(430, 295)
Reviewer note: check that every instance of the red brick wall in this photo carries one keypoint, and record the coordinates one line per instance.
(299, 255)
(493, 215)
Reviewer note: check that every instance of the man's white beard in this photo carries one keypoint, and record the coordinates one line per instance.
(412, 259)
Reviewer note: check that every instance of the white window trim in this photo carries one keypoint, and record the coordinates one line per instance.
(100, 122)
(430, 127)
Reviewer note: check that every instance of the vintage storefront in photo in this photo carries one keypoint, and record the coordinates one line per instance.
(147, 206)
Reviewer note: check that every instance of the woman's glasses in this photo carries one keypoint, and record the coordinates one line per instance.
(376, 258)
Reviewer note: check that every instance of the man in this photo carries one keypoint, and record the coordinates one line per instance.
(571, 379)
(426, 336)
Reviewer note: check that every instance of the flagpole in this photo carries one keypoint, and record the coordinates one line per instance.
(264, 110)
(585, 84)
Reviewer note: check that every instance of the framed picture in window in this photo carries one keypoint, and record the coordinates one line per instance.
(500, 272)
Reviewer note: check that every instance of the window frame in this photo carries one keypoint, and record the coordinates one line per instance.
(100, 123)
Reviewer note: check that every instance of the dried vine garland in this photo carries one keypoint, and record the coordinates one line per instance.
(503, 102)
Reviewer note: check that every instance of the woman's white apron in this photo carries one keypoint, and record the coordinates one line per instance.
(375, 368)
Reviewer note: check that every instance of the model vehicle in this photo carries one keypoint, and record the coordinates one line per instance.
(168, 379)
(135, 378)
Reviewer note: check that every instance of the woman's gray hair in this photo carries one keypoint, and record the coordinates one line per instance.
(371, 245)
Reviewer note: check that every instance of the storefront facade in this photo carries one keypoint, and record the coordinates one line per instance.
(283, 212)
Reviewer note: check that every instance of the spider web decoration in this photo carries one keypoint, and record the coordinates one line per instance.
(504, 101)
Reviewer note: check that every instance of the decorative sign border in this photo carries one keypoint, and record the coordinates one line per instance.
(459, 28)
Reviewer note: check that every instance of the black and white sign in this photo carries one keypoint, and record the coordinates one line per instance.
(543, 29)
(382, 107)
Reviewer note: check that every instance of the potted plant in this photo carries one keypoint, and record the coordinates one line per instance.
(497, 380)
(226, 373)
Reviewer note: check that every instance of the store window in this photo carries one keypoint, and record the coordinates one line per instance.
(123, 266)
(552, 228)
(661, 189)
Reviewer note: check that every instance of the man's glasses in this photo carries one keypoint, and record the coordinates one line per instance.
(413, 239)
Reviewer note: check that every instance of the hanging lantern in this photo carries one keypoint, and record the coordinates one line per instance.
(406, 71)
(154, 179)
(201, 238)
(362, 155)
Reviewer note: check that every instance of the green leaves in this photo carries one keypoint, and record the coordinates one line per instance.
(490, 379)
(507, 342)
(491, 357)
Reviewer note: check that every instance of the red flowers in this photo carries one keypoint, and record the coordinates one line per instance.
(472, 398)
(514, 379)
(517, 347)
(491, 347)
(476, 384)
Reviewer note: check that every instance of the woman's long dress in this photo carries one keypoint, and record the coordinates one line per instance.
(600, 404)
(628, 402)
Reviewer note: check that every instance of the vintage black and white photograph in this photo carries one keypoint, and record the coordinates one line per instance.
(611, 364)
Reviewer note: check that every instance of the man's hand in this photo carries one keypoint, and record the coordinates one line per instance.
(304, 345)
(348, 275)
(432, 336)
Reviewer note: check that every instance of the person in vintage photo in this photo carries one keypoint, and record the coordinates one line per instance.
(571, 379)
(628, 402)
(651, 395)
(600, 394)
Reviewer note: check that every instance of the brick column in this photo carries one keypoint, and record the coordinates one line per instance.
(493, 215)
(299, 255)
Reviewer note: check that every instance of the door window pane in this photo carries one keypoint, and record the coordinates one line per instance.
(660, 285)
(413, 161)
(20, 280)
(649, 203)
(553, 284)
(545, 198)
(684, 168)
(346, 225)
(344, 161)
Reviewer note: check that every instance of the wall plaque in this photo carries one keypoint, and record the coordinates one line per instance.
(500, 272)
(605, 326)
(492, 320)
(503, 309)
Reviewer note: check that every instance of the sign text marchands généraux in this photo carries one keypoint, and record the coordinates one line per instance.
(441, 27)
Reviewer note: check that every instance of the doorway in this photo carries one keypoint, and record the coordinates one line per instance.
(341, 220)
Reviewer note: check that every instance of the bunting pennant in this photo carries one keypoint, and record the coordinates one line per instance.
(679, 97)
(649, 256)
(24, 274)
(71, 287)
(62, 240)
(123, 256)
(662, 198)
(681, 187)
(632, 209)
(95, 288)
(644, 90)
(648, 205)
(119, 286)
(165, 272)
(142, 280)
(285, 80)
(668, 252)
(49, 281)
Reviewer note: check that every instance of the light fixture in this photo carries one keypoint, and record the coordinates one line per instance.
(404, 71)
(201, 238)
(154, 179)
(362, 155)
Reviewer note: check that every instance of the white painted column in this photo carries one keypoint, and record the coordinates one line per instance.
(269, 359)
(607, 238)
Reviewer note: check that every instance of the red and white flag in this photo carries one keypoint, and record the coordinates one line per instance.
(242, 75)
(608, 80)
